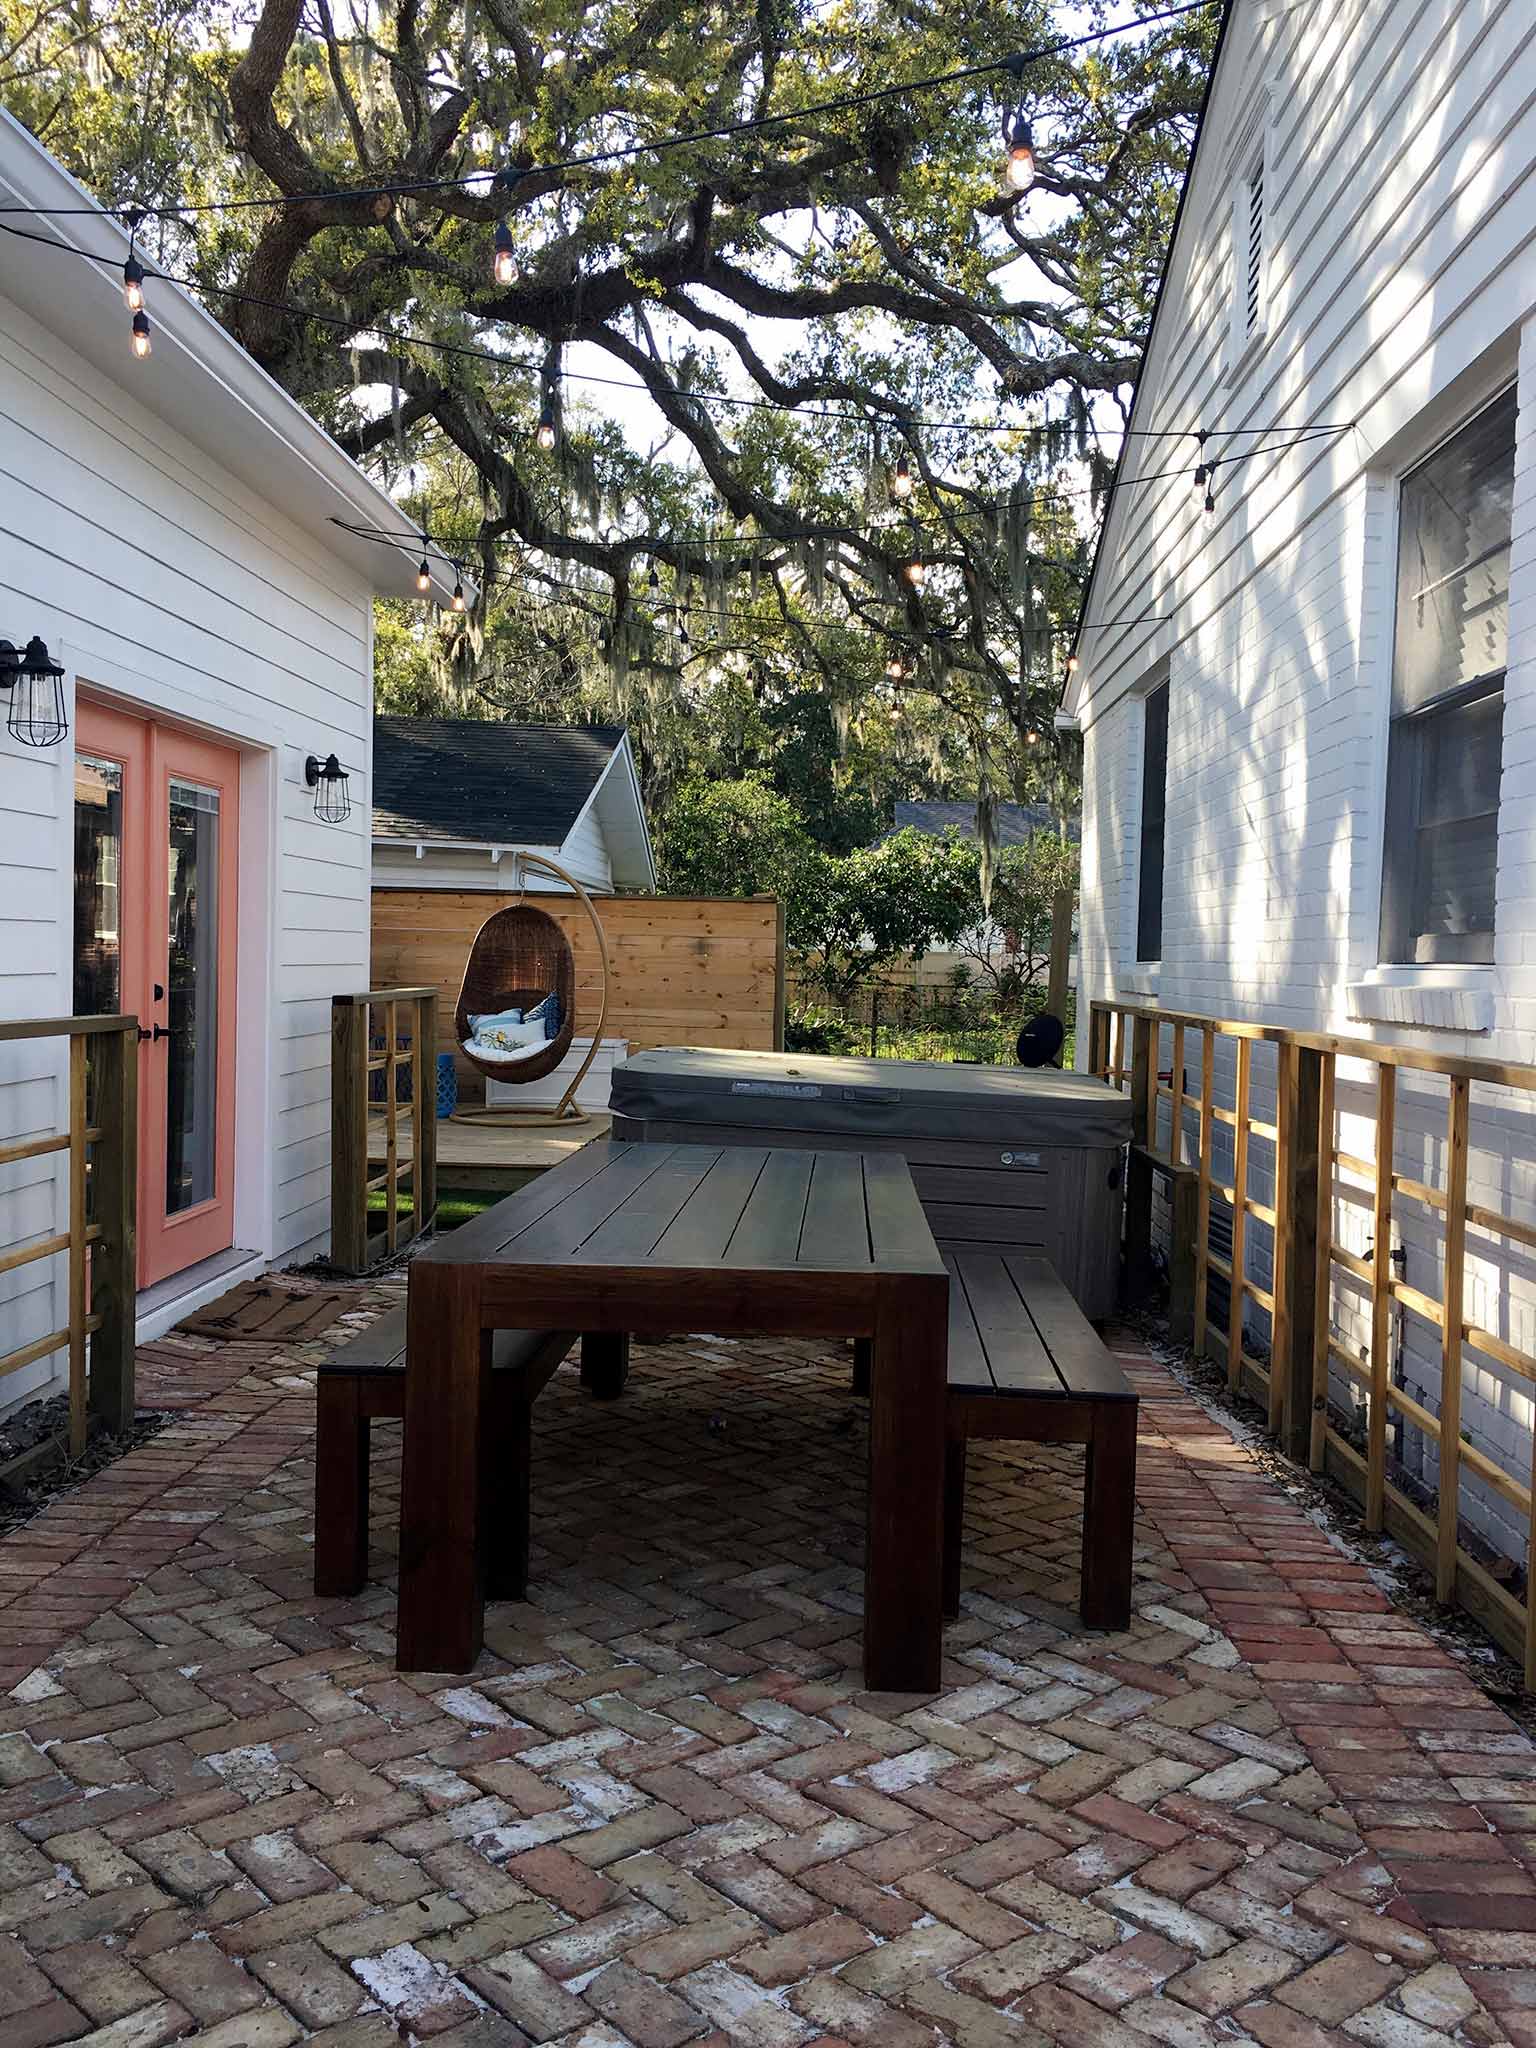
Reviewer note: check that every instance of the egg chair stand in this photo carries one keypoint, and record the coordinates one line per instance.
(521, 954)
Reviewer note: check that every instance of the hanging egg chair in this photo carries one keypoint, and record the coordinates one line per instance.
(520, 956)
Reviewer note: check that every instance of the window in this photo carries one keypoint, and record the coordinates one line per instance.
(1445, 745)
(1154, 811)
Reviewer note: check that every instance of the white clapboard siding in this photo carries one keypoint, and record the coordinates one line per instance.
(175, 589)
(1398, 294)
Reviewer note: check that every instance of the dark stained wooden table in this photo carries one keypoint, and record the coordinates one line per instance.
(739, 1240)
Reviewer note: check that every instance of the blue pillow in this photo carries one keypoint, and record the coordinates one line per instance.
(496, 1017)
(549, 1010)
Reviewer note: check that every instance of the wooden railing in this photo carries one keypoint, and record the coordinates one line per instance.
(100, 1144)
(1312, 1175)
(356, 1021)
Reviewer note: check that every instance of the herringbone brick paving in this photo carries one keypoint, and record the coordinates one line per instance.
(662, 1811)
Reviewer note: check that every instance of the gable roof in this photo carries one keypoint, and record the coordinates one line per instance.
(477, 782)
(1228, 10)
(1015, 822)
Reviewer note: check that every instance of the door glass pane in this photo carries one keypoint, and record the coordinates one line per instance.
(98, 860)
(192, 996)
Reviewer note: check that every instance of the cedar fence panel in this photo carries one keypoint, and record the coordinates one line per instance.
(684, 970)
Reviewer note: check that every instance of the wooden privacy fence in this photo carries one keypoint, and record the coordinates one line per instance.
(100, 1145)
(367, 1031)
(1312, 1179)
(683, 970)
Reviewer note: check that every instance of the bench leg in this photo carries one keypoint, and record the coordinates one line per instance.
(863, 1352)
(954, 1521)
(604, 1363)
(1109, 1516)
(507, 1488)
(341, 1488)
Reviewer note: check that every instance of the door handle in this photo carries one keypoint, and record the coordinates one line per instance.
(161, 1031)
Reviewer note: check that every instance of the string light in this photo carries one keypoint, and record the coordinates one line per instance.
(901, 479)
(916, 572)
(504, 262)
(458, 595)
(1210, 487)
(546, 434)
(141, 342)
(133, 283)
(423, 577)
(1019, 142)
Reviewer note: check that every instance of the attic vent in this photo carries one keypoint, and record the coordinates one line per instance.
(1254, 292)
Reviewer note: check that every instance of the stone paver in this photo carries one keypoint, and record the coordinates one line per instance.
(662, 1810)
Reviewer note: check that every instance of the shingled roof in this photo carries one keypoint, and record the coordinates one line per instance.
(486, 784)
(1015, 822)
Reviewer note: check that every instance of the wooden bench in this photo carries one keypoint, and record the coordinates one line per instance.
(1025, 1366)
(366, 1379)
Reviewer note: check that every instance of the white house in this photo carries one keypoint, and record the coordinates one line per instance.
(455, 798)
(168, 533)
(1309, 711)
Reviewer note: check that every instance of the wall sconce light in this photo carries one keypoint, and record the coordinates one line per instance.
(328, 779)
(34, 682)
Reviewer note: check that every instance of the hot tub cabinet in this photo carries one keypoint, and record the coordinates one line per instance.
(1003, 1158)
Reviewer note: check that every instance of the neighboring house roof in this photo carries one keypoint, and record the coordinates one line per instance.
(1128, 443)
(198, 379)
(1015, 822)
(478, 782)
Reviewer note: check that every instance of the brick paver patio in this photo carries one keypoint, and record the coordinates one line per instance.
(661, 1810)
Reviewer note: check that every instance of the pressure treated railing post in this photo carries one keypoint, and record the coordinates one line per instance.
(1203, 1188)
(1322, 1264)
(1381, 1297)
(349, 1133)
(114, 1196)
(1061, 954)
(1297, 1208)
(1453, 1315)
(424, 1118)
(1138, 1172)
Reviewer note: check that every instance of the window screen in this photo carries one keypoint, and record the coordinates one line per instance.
(1449, 652)
(1154, 810)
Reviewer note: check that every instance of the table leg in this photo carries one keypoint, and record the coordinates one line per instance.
(1109, 1516)
(903, 1583)
(447, 1393)
(605, 1363)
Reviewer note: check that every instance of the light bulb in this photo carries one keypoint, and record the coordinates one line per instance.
(545, 436)
(133, 285)
(1019, 161)
(423, 577)
(1071, 664)
(1210, 501)
(458, 597)
(895, 668)
(653, 581)
(141, 345)
(916, 573)
(901, 481)
(504, 263)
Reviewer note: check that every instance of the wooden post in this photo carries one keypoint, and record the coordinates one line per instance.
(1138, 1171)
(1239, 1215)
(1203, 1186)
(1183, 1264)
(424, 1125)
(1453, 1315)
(1381, 1299)
(349, 1133)
(1322, 1265)
(391, 1132)
(114, 1194)
(1176, 1103)
(1061, 954)
(1297, 1203)
(77, 1259)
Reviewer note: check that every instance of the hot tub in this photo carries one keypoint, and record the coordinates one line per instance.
(1004, 1158)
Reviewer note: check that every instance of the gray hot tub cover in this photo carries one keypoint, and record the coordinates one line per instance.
(878, 1098)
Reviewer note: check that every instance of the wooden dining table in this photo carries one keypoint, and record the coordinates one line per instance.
(626, 1237)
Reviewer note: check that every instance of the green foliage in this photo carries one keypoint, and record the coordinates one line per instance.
(863, 267)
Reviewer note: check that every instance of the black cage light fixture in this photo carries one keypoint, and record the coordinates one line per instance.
(328, 779)
(33, 684)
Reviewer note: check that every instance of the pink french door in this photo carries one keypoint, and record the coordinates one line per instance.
(156, 853)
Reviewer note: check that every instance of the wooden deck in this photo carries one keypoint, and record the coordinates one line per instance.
(487, 1158)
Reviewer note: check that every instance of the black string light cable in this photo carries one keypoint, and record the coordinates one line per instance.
(1014, 66)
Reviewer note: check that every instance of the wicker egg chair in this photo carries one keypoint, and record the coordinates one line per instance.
(521, 954)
